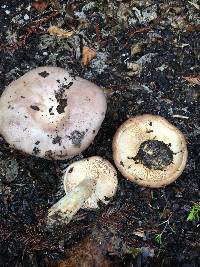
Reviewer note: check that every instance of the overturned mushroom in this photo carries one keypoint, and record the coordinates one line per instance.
(149, 151)
(50, 114)
(86, 182)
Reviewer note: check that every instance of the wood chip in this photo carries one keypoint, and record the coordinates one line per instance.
(40, 5)
(88, 55)
(193, 80)
(54, 30)
(197, 6)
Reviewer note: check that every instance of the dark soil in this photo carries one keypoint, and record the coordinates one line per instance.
(154, 154)
(146, 50)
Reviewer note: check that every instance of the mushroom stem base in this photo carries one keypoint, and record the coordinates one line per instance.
(63, 211)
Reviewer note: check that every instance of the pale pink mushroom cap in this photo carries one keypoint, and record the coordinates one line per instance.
(50, 114)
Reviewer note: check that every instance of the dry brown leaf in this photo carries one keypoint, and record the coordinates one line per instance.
(88, 55)
(193, 80)
(55, 4)
(40, 5)
(54, 30)
(193, 28)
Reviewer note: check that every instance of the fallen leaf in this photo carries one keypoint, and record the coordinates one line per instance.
(193, 28)
(54, 30)
(193, 80)
(88, 55)
(40, 5)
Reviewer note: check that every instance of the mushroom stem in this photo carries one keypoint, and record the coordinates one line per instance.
(67, 207)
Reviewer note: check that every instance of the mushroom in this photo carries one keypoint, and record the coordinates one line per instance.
(85, 182)
(149, 151)
(51, 114)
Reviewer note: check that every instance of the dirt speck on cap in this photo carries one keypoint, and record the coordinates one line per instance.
(61, 99)
(44, 74)
(36, 108)
(76, 137)
(57, 140)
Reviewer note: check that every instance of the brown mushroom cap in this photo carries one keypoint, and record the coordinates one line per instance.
(50, 114)
(147, 132)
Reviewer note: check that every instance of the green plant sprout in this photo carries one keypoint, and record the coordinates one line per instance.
(134, 251)
(158, 239)
(194, 213)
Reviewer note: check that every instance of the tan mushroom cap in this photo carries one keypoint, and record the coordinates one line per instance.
(100, 171)
(126, 144)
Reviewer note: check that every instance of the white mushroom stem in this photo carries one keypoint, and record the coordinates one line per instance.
(68, 206)
(86, 182)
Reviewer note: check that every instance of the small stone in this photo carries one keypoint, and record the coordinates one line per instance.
(178, 195)
(26, 17)
(28, 7)
(7, 12)
(149, 14)
(8, 169)
(147, 252)
(146, 58)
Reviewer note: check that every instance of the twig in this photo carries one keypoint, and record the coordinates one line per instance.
(98, 32)
(180, 116)
(145, 29)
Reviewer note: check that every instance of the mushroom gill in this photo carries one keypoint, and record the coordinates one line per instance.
(149, 151)
(86, 182)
